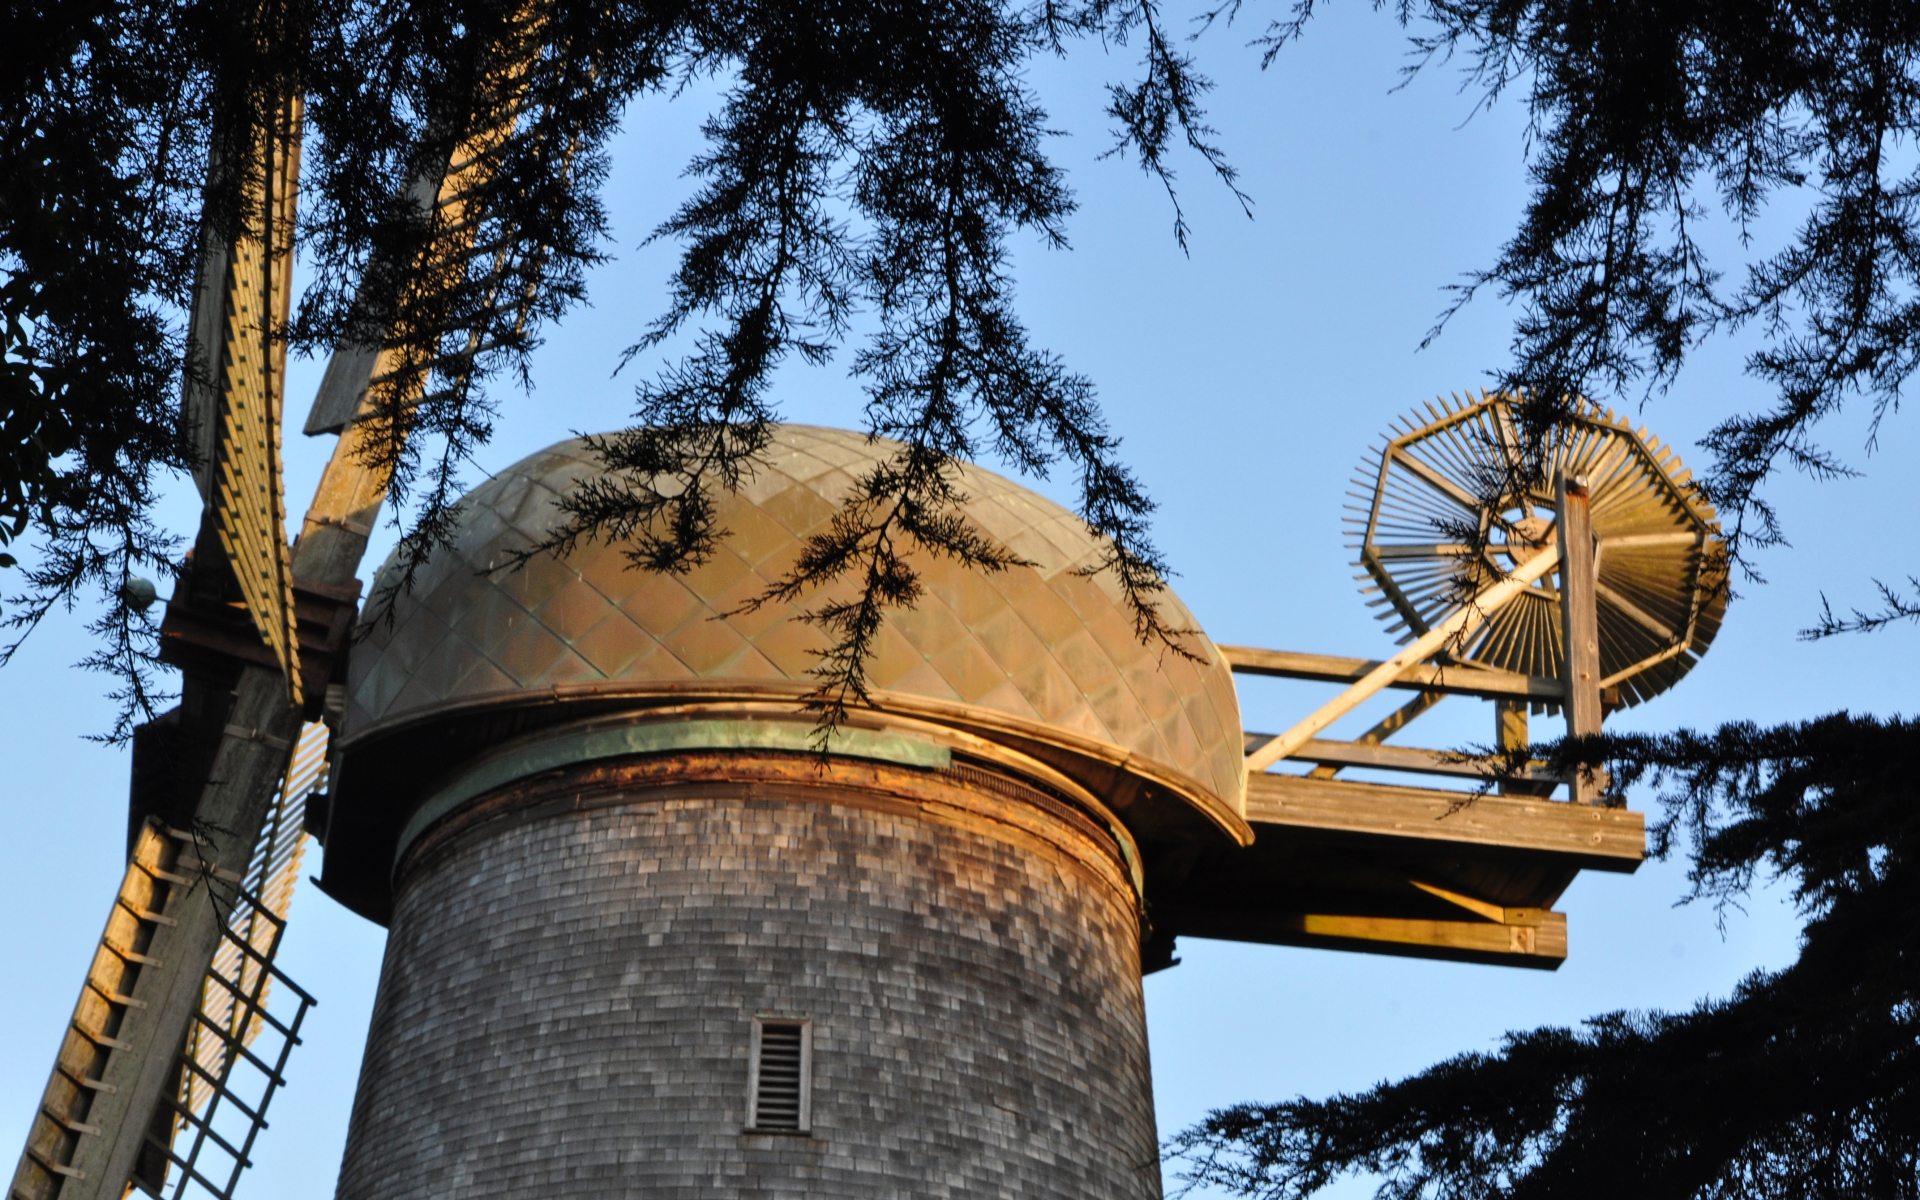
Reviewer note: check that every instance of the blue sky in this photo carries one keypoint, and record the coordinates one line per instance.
(1248, 379)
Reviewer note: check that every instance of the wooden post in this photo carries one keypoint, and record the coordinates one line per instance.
(1511, 734)
(1580, 625)
(1510, 724)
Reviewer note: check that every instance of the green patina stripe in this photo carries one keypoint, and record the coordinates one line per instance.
(588, 745)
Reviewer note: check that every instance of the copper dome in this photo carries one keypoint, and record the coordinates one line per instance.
(1041, 658)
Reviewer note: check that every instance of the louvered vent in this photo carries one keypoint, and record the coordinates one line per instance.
(782, 1065)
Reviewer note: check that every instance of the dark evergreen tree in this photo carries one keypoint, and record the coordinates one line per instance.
(96, 245)
(865, 156)
(1805, 1082)
(1800, 1084)
(869, 158)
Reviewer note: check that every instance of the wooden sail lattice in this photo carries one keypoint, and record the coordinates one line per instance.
(1456, 498)
(140, 932)
(248, 496)
(202, 1149)
(270, 878)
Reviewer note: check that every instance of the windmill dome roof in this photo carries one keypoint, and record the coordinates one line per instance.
(1042, 657)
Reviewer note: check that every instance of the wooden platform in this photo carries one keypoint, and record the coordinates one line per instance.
(1583, 835)
(1396, 870)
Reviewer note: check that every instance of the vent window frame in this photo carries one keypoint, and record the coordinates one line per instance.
(756, 1092)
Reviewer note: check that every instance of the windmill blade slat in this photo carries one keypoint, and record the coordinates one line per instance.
(271, 880)
(249, 506)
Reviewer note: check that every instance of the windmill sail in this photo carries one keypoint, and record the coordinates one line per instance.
(201, 1139)
(242, 483)
(153, 1047)
(1456, 497)
(241, 967)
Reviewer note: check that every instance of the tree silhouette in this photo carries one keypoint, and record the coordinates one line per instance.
(864, 157)
(1645, 118)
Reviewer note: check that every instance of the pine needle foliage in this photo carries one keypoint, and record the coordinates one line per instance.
(1648, 118)
(1649, 121)
(124, 131)
(878, 160)
(872, 161)
(1805, 1082)
(866, 158)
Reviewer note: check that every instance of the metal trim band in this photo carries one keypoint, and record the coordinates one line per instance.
(596, 740)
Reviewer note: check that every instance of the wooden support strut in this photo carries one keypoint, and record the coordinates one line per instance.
(1540, 943)
(1393, 723)
(1376, 756)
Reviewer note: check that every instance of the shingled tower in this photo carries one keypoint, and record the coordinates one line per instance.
(644, 943)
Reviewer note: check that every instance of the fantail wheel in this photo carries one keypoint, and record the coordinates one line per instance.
(1457, 498)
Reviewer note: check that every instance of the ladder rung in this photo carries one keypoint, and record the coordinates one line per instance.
(56, 1168)
(205, 1130)
(70, 1123)
(101, 1038)
(116, 997)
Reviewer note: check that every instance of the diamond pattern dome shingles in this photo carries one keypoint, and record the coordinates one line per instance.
(1042, 644)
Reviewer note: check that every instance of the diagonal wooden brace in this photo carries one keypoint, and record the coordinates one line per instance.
(1460, 624)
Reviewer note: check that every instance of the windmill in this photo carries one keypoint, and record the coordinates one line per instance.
(1569, 570)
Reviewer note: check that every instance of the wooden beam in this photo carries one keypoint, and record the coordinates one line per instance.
(1398, 758)
(1637, 541)
(1498, 914)
(1426, 550)
(1546, 940)
(1629, 609)
(1409, 612)
(1439, 482)
(1607, 839)
(1541, 946)
(1451, 679)
(1391, 724)
(1510, 737)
